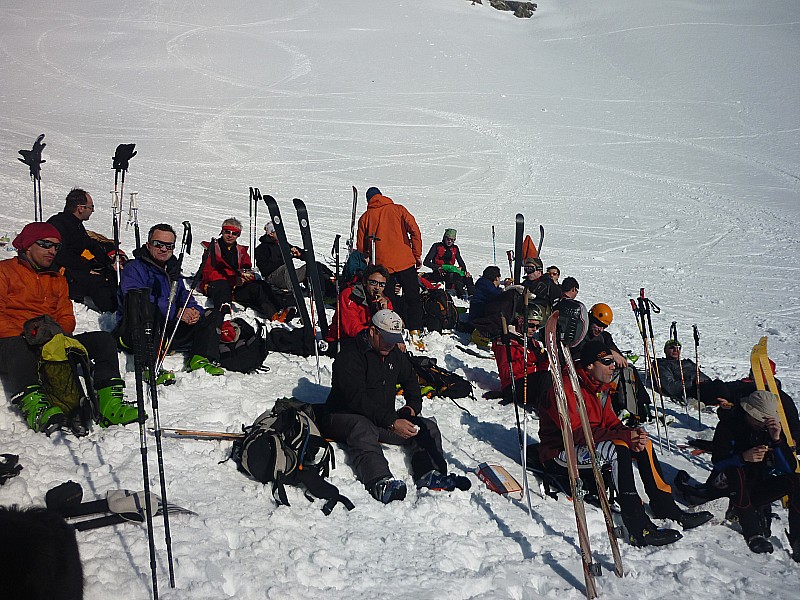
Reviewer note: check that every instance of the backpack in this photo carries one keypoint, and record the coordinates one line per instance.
(444, 383)
(439, 312)
(284, 446)
(247, 352)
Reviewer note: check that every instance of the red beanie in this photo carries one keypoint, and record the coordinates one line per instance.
(33, 232)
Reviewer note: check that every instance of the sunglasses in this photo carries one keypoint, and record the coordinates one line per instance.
(163, 245)
(532, 269)
(47, 244)
(233, 232)
(449, 239)
(607, 361)
(551, 273)
(376, 283)
(674, 347)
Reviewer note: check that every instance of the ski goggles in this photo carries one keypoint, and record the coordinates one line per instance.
(234, 232)
(47, 244)
(163, 245)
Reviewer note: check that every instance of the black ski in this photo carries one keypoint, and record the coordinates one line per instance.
(541, 241)
(312, 270)
(519, 233)
(350, 240)
(286, 254)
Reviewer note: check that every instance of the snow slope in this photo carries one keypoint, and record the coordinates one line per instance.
(656, 141)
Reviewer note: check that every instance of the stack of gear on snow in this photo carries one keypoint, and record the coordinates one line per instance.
(438, 381)
(241, 347)
(284, 446)
(439, 312)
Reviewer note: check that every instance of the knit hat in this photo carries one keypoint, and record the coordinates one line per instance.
(533, 261)
(450, 233)
(32, 232)
(229, 332)
(372, 192)
(760, 405)
(592, 351)
(390, 326)
(670, 344)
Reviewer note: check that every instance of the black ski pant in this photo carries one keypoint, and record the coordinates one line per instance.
(539, 384)
(101, 288)
(411, 302)
(201, 338)
(750, 490)
(710, 392)
(463, 285)
(19, 362)
(253, 294)
(364, 438)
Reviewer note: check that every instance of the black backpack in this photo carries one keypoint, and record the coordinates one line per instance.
(439, 312)
(284, 446)
(248, 352)
(444, 383)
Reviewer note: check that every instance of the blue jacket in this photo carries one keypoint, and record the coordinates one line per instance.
(485, 290)
(144, 273)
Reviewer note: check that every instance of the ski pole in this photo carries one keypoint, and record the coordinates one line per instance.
(525, 300)
(697, 375)
(33, 158)
(522, 458)
(149, 334)
(313, 323)
(133, 217)
(510, 256)
(352, 222)
(494, 247)
(673, 334)
(116, 209)
(136, 300)
(336, 257)
(638, 313)
(651, 306)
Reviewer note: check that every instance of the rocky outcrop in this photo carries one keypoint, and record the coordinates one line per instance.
(523, 10)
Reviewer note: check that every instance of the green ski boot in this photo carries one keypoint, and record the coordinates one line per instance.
(113, 409)
(200, 362)
(41, 416)
(164, 377)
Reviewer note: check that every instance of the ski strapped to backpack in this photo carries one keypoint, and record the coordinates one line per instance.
(284, 446)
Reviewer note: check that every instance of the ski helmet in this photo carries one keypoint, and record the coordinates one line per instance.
(603, 313)
(538, 311)
(671, 343)
(573, 321)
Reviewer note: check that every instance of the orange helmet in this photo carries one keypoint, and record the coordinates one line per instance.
(603, 313)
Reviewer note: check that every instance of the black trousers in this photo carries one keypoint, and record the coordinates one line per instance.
(253, 294)
(101, 288)
(201, 339)
(19, 362)
(364, 438)
(411, 304)
(539, 384)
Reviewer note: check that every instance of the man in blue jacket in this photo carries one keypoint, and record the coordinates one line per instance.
(155, 268)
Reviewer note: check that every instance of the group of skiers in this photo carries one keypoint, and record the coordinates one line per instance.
(372, 312)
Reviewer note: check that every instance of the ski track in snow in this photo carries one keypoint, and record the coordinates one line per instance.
(677, 174)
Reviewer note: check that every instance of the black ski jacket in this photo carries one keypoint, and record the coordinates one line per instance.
(78, 251)
(669, 372)
(268, 255)
(364, 383)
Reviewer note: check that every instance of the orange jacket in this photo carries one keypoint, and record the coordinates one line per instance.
(400, 242)
(25, 294)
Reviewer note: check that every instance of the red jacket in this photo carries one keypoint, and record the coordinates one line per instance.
(25, 294)
(356, 313)
(400, 242)
(537, 360)
(603, 419)
(216, 269)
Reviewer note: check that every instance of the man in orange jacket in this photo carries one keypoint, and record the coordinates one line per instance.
(398, 247)
(30, 287)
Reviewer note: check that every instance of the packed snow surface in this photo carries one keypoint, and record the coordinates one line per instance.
(656, 141)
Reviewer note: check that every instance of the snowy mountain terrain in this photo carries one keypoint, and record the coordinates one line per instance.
(656, 141)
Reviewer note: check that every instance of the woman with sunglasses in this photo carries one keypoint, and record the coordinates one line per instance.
(228, 274)
(359, 302)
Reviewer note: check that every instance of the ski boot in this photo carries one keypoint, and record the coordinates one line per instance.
(113, 409)
(200, 362)
(435, 481)
(41, 416)
(164, 377)
(388, 490)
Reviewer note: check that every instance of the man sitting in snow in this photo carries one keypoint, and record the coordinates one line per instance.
(444, 259)
(228, 274)
(359, 302)
(617, 444)
(155, 269)
(360, 412)
(712, 391)
(30, 287)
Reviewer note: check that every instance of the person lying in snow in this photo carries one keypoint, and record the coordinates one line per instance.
(617, 444)
(360, 412)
